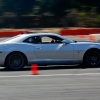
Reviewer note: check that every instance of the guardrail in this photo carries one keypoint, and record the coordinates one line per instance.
(79, 31)
(12, 32)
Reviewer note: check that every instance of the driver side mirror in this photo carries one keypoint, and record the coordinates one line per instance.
(64, 41)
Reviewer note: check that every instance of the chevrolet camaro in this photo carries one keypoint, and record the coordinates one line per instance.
(46, 49)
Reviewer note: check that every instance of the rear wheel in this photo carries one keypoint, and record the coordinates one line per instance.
(92, 58)
(15, 61)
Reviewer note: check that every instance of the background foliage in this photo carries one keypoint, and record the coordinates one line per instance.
(83, 13)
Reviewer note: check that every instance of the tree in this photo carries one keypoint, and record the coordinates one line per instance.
(18, 6)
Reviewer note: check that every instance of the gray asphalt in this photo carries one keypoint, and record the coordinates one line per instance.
(51, 83)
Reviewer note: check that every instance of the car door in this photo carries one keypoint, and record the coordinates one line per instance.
(54, 52)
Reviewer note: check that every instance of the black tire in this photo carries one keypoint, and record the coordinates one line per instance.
(92, 58)
(15, 61)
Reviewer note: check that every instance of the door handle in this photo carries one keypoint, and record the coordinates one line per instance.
(38, 47)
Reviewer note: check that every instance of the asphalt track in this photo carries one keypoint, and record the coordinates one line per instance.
(51, 83)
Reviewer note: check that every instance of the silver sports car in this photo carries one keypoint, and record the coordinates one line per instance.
(46, 49)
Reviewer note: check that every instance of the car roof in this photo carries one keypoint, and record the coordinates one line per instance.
(38, 34)
(43, 34)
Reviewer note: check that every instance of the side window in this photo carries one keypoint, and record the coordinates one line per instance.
(50, 40)
(43, 40)
(34, 40)
(29, 40)
(46, 39)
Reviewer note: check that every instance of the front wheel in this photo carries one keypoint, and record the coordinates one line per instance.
(92, 58)
(15, 61)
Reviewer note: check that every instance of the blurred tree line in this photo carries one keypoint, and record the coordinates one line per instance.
(83, 13)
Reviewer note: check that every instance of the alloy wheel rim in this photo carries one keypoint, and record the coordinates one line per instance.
(16, 61)
(93, 58)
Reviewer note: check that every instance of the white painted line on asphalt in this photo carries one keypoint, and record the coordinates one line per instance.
(82, 74)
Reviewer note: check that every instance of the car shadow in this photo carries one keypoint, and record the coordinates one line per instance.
(28, 68)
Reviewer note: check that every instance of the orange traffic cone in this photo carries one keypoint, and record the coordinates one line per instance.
(91, 37)
(34, 69)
